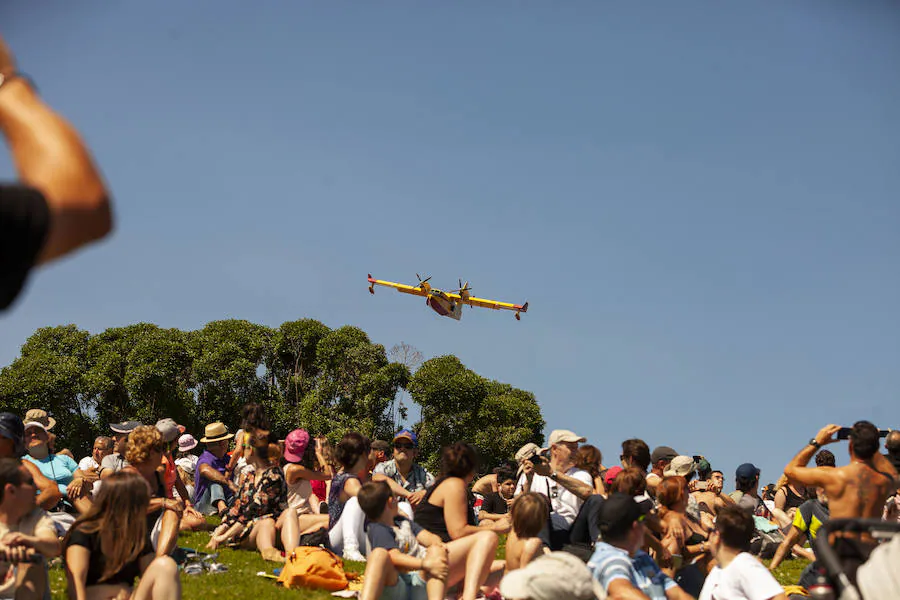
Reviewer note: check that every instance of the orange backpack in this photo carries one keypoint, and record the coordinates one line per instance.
(313, 567)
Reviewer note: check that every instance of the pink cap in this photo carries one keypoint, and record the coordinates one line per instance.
(295, 445)
(611, 474)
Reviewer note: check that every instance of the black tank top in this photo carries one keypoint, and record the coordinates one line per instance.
(791, 499)
(431, 517)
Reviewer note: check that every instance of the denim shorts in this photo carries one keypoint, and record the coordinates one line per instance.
(409, 587)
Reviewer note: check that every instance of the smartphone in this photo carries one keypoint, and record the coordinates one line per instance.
(702, 485)
(843, 433)
(882, 433)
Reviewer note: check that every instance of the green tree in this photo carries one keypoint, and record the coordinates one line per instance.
(227, 356)
(49, 374)
(458, 404)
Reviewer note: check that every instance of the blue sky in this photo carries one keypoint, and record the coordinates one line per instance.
(699, 200)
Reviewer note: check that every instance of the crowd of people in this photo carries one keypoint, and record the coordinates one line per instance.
(657, 525)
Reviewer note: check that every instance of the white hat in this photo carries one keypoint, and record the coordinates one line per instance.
(554, 576)
(680, 465)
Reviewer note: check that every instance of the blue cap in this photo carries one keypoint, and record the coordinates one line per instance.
(406, 433)
(746, 471)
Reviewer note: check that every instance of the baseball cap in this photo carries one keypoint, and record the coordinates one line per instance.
(619, 512)
(558, 436)
(169, 430)
(681, 465)
(11, 427)
(611, 474)
(125, 426)
(746, 471)
(662, 453)
(551, 577)
(527, 451)
(295, 445)
(406, 433)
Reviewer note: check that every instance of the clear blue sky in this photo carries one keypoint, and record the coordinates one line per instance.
(701, 201)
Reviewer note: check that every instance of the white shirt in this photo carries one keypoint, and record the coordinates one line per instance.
(88, 462)
(564, 503)
(745, 578)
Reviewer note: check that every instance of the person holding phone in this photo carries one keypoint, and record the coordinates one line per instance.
(858, 490)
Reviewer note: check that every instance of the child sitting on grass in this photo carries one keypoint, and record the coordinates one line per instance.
(529, 514)
(405, 562)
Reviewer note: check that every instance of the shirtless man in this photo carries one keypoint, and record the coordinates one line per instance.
(855, 491)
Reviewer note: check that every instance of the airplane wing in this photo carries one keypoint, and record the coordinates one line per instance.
(406, 289)
(494, 304)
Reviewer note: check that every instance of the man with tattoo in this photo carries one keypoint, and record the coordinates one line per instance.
(857, 490)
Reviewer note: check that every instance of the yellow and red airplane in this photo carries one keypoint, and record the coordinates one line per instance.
(447, 304)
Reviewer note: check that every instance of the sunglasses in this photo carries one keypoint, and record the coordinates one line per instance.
(403, 446)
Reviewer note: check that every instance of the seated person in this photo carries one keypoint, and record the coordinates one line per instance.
(495, 505)
(403, 556)
(529, 517)
(618, 563)
(25, 530)
(213, 489)
(738, 575)
(109, 546)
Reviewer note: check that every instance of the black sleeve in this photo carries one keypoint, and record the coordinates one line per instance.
(24, 222)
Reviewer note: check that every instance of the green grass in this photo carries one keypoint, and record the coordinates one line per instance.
(241, 580)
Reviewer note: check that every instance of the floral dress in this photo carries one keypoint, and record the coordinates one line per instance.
(262, 495)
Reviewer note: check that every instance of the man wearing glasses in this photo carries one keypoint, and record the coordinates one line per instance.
(25, 531)
(410, 477)
(619, 564)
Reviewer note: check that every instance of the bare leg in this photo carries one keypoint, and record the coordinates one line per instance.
(263, 535)
(310, 523)
(159, 581)
(470, 560)
(380, 572)
(31, 582)
(289, 526)
(168, 533)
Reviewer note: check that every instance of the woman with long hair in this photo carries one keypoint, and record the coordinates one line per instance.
(259, 511)
(590, 459)
(447, 510)
(690, 549)
(108, 546)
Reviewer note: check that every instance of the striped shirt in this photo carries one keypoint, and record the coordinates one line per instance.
(610, 563)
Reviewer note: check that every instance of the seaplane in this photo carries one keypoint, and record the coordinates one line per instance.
(447, 304)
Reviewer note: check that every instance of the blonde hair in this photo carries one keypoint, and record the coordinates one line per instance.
(141, 442)
(119, 515)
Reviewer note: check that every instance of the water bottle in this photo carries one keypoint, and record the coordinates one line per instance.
(821, 589)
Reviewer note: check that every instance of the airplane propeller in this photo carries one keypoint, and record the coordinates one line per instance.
(462, 288)
(421, 281)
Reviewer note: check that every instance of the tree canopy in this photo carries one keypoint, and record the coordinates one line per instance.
(329, 381)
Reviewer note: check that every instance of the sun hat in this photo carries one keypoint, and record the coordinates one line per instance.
(680, 465)
(551, 577)
(215, 432)
(41, 416)
(187, 442)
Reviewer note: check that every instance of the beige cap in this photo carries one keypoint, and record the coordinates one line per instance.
(527, 451)
(680, 465)
(558, 436)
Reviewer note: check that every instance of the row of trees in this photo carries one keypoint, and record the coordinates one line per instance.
(328, 381)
